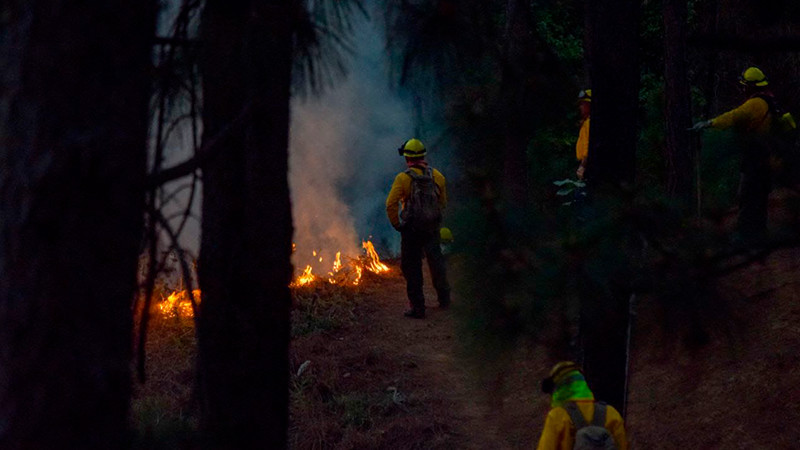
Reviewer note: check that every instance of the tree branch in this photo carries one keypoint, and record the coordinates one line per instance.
(203, 154)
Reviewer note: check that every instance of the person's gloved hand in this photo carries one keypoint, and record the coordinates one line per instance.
(699, 126)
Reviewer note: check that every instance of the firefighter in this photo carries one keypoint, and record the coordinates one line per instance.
(582, 146)
(418, 238)
(568, 389)
(752, 120)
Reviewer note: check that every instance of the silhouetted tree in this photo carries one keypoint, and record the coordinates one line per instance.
(614, 50)
(678, 146)
(73, 129)
(244, 268)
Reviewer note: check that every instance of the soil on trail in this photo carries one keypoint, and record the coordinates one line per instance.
(423, 394)
(390, 382)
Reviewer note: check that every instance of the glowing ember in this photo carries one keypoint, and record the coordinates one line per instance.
(179, 304)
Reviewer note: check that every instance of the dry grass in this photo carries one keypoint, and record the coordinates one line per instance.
(163, 411)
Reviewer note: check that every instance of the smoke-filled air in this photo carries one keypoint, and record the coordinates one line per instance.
(342, 159)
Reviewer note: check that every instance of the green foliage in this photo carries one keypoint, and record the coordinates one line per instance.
(551, 156)
(323, 43)
(650, 164)
(322, 308)
(355, 409)
(561, 28)
(568, 186)
(720, 158)
(157, 427)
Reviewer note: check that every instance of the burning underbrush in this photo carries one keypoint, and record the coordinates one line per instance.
(345, 272)
(348, 273)
(164, 407)
(323, 303)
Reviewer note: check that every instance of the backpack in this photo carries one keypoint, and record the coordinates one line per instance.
(782, 143)
(590, 435)
(421, 211)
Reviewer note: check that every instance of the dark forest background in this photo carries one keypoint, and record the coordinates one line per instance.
(91, 90)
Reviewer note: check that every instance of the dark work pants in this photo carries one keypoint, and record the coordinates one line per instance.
(412, 247)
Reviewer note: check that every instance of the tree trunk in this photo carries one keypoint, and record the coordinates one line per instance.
(516, 93)
(615, 92)
(73, 133)
(245, 269)
(679, 148)
(610, 174)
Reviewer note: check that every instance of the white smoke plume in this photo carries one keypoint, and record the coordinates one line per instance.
(342, 158)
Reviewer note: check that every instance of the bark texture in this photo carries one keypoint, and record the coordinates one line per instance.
(245, 269)
(73, 128)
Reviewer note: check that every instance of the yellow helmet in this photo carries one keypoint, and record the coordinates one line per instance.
(564, 367)
(412, 148)
(753, 76)
(557, 375)
(585, 95)
(445, 235)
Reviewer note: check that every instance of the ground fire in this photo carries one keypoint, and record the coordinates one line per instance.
(179, 304)
(347, 273)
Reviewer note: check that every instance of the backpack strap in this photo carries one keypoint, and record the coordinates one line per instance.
(772, 104)
(599, 418)
(575, 415)
(410, 172)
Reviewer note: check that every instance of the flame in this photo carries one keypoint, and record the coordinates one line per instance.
(337, 264)
(373, 263)
(344, 274)
(179, 304)
(305, 278)
(358, 276)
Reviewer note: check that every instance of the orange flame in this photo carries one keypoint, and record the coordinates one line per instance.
(345, 274)
(305, 278)
(179, 304)
(373, 263)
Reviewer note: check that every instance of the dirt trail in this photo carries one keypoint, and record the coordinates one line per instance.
(441, 386)
(428, 397)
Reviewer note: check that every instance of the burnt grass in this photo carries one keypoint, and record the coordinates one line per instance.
(363, 376)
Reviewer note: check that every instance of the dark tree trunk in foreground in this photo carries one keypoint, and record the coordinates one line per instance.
(516, 94)
(679, 149)
(73, 128)
(245, 267)
(611, 172)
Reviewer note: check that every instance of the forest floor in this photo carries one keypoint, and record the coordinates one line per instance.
(365, 377)
(386, 381)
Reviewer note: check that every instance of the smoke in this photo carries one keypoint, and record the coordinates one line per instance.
(342, 157)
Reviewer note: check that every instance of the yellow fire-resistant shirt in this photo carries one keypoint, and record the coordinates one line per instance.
(401, 189)
(582, 146)
(559, 432)
(751, 115)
